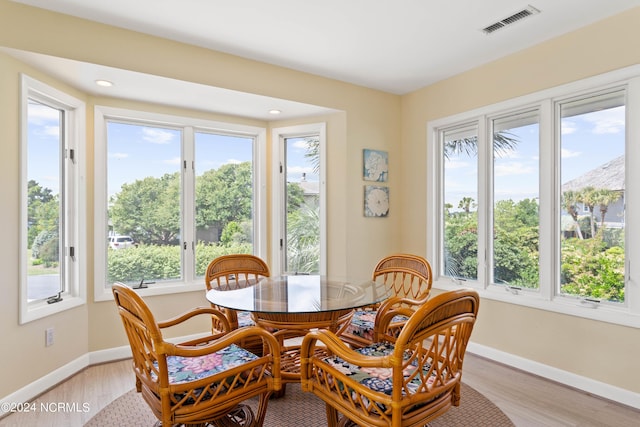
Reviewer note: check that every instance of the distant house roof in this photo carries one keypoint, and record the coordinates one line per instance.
(609, 176)
(309, 188)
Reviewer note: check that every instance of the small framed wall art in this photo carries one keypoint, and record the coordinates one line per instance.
(376, 201)
(375, 165)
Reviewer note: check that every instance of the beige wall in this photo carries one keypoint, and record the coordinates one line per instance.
(370, 119)
(599, 351)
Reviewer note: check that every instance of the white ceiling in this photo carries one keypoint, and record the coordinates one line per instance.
(395, 46)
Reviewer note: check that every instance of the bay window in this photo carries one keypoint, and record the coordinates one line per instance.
(173, 193)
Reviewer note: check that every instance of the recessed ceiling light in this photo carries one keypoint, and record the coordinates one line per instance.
(274, 111)
(104, 83)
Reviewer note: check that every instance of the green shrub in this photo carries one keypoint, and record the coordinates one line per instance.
(42, 240)
(590, 270)
(158, 263)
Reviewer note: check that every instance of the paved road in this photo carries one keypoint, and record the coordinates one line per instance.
(43, 286)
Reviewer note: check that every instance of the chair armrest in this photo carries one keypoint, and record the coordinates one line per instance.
(337, 347)
(383, 323)
(217, 343)
(396, 301)
(195, 312)
(398, 305)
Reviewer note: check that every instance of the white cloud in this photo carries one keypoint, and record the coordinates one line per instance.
(569, 127)
(300, 169)
(301, 144)
(53, 131)
(606, 121)
(41, 114)
(118, 155)
(157, 136)
(174, 161)
(568, 153)
(509, 154)
(512, 168)
(455, 164)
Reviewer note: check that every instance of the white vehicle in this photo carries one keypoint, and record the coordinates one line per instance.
(121, 242)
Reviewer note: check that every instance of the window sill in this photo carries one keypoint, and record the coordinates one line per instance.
(39, 309)
(157, 289)
(602, 313)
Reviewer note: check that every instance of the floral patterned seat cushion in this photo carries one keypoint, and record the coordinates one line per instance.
(244, 319)
(363, 321)
(185, 369)
(379, 379)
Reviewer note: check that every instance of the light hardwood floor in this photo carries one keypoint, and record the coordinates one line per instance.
(527, 399)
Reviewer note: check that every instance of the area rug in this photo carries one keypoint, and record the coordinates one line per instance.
(300, 409)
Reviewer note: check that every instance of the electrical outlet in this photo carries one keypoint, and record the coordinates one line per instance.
(48, 337)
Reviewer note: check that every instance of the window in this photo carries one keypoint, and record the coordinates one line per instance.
(531, 198)
(300, 222)
(514, 147)
(459, 214)
(52, 246)
(592, 165)
(175, 193)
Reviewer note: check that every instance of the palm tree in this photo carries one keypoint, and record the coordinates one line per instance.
(313, 152)
(502, 143)
(605, 198)
(569, 204)
(588, 196)
(466, 204)
(303, 245)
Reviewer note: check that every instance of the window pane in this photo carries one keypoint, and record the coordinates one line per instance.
(224, 197)
(144, 199)
(460, 171)
(515, 200)
(593, 190)
(45, 183)
(302, 164)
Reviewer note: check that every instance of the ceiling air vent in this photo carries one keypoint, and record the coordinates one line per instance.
(518, 16)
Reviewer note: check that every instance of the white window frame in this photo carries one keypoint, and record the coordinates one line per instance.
(189, 126)
(627, 314)
(75, 216)
(278, 136)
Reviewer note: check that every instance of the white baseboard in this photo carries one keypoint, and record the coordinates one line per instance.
(585, 384)
(36, 388)
(607, 391)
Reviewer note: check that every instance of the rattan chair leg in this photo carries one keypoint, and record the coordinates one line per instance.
(261, 411)
(332, 416)
(241, 416)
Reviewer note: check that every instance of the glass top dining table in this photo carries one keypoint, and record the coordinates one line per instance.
(301, 294)
(290, 306)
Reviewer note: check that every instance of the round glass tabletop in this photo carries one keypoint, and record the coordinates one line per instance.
(301, 294)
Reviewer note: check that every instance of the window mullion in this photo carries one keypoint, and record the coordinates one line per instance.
(549, 203)
(188, 204)
(484, 202)
(632, 196)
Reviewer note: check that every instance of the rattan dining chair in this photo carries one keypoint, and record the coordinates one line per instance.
(409, 279)
(231, 272)
(404, 383)
(200, 381)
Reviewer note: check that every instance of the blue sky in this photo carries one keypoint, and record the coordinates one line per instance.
(43, 160)
(135, 151)
(588, 141)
